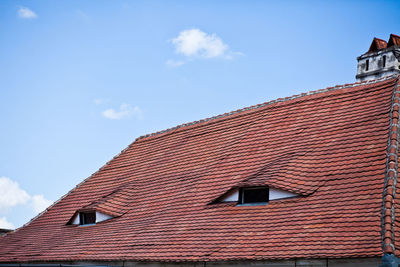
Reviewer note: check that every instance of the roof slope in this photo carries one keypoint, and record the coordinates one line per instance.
(330, 147)
(394, 40)
(377, 44)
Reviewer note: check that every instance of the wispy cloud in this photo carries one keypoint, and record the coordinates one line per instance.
(174, 63)
(26, 13)
(99, 101)
(124, 111)
(4, 224)
(194, 43)
(11, 195)
(83, 16)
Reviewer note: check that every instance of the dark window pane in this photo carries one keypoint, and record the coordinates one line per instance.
(254, 195)
(87, 217)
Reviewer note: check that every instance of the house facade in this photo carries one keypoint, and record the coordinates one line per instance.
(307, 180)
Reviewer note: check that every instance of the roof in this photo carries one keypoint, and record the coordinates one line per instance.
(4, 231)
(336, 148)
(377, 44)
(394, 40)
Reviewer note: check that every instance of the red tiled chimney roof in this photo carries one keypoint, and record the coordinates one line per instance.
(394, 40)
(377, 44)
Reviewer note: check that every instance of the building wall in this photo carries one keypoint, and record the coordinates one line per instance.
(376, 69)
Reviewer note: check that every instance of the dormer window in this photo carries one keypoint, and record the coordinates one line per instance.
(367, 65)
(384, 61)
(87, 218)
(111, 205)
(254, 195)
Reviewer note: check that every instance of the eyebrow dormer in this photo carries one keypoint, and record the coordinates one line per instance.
(88, 217)
(257, 195)
(111, 205)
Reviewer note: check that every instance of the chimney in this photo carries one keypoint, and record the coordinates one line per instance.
(382, 59)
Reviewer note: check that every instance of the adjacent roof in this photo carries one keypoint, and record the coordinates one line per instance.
(4, 231)
(337, 148)
(377, 44)
(394, 40)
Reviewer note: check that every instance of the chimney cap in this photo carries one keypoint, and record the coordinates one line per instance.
(377, 44)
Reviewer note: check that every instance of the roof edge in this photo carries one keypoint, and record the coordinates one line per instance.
(377, 44)
(68, 193)
(390, 182)
(327, 89)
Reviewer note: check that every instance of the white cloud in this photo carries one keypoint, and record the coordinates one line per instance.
(11, 194)
(26, 13)
(99, 101)
(196, 43)
(125, 111)
(174, 63)
(39, 203)
(4, 224)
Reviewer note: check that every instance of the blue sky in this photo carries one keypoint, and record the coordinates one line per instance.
(80, 80)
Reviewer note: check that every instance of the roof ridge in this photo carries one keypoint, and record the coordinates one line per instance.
(278, 100)
(388, 215)
(379, 39)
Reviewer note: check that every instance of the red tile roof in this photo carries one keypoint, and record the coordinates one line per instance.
(329, 146)
(114, 204)
(377, 44)
(394, 40)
